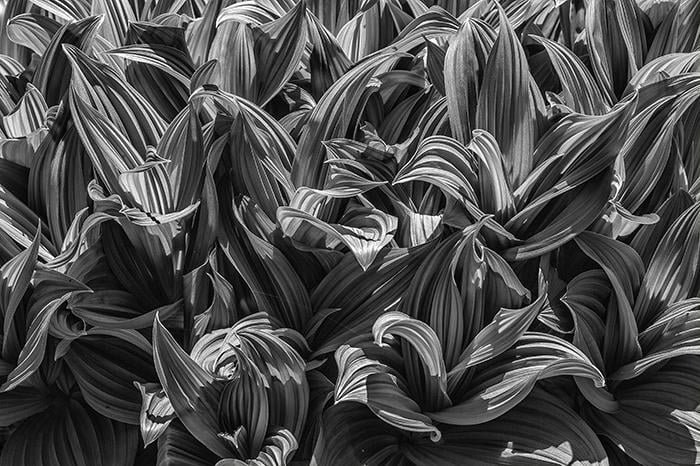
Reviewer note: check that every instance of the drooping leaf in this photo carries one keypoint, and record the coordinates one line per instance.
(422, 353)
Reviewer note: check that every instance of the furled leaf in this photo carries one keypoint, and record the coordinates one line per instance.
(156, 412)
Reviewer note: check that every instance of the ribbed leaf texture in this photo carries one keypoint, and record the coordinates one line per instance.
(330, 233)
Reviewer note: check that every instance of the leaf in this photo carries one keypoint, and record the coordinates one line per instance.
(58, 177)
(166, 58)
(559, 436)
(19, 226)
(510, 377)
(580, 166)
(271, 50)
(101, 88)
(118, 14)
(193, 392)
(21, 403)
(616, 43)
(201, 32)
(176, 446)
(182, 144)
(142, 183)
(65, 9)
(279, 446)
(115, 309)
(507, 326)
(352, 434)
(540, 430)
(422, 353)
(245, 408)
(327, 62)
(278, 50)
(671, 275)
(273, 282)
(360, 296)
(54, 61)
(51, 289)
(495, 193)
(15, 276)
(658, 419)
(268, 351)
(365, 231)
(648, 237)
(506, 86)
(624, 269)
(32, 31)
(586, 297)
(332, 117)
(28, 116)
(445, 162)
(581, 91)
(457, 287)
(157, 53)
(259, 150)
(676, 333)
(71, 433)
(648, 153)
(105, 369)
(376, 385)
(372, 28)
(156, 412)
(465, 65)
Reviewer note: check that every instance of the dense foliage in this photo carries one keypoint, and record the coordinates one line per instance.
(349, 232)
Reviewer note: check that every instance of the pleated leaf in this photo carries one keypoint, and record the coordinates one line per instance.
(508, 379)
(376, 385)
(71, 433)
(54, 61)
(507, 89)
(156, 412)
(658, 418)
(193, 392)
(581, 91)
(106, 368)
(464, 65)
(672, 274)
